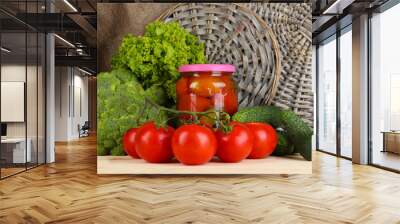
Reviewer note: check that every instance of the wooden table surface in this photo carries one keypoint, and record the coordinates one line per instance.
(269, 165)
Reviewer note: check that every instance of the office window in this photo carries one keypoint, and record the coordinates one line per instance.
(327, 96)
(346, 93)
(385, 88)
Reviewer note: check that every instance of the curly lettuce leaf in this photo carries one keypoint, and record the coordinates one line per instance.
(155, 57)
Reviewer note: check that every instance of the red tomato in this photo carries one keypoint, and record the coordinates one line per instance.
(128, 142)
(182, 86)
(236, 145)
(154, 144)
(194, 144)
(205, 85)
(265, 140)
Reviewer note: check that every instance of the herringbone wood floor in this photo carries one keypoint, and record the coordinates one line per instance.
(69, 191)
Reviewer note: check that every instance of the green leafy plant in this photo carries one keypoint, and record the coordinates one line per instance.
(121, 106)
(155, 57)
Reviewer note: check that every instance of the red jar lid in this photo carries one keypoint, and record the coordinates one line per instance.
(207, 68)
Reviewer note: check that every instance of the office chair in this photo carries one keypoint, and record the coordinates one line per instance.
(84, 130)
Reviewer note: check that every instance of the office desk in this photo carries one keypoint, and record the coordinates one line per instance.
(13, 150)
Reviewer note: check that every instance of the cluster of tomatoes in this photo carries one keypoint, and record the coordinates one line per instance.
(193, 144)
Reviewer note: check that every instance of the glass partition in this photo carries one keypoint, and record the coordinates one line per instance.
(22, 107)
(13, 95)
(327, 96)
(32, 96)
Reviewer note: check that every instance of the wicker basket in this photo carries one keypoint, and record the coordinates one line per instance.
(291, 24)
(236, 35)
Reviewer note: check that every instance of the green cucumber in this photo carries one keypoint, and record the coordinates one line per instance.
(295, 128)
(284, 147)
(264, 114)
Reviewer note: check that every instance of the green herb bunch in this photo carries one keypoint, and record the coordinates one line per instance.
(155, 57)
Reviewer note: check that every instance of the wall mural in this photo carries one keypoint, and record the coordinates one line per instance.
(204, 88)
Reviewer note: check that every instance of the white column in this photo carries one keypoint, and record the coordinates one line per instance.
(50, 92)
(50, 100)
(360, 90)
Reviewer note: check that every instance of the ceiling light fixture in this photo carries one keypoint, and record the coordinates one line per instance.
(70, 5)
(84, 71)
(5, 50)
(64, 40)
(337, 7)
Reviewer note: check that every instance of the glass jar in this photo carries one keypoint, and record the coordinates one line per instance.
(204, 87)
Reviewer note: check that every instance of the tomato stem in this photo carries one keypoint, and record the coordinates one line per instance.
(222, 119)
(205, 113)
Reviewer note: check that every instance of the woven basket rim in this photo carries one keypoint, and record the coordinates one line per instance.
(270, 32)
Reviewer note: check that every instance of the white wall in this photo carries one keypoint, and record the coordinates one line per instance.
(12, 73)
(71, 102)
(62, 82)
(80, 110)
(13, 101)
(16, 73)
